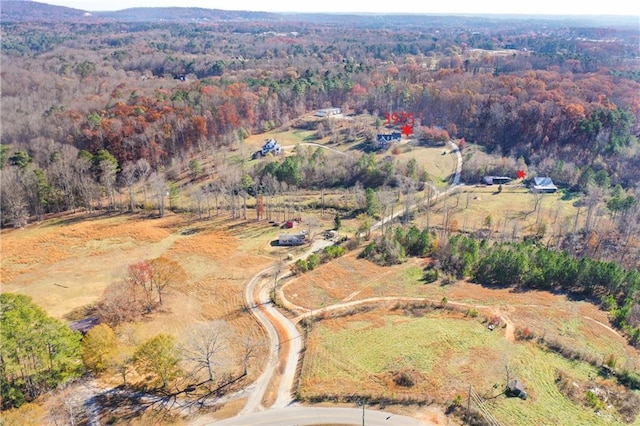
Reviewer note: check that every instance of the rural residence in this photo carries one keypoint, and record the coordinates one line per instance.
(384, 141)
(271, 146)
(543, 184)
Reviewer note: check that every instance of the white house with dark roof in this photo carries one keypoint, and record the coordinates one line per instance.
(271, 146)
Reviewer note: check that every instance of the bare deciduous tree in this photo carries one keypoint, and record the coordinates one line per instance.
(13, 204)
(203, 346)
(129, 177)
(120, 303)
(107, 178)
(159, 188)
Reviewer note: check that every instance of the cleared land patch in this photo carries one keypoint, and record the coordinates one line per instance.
(442, 353)
(578, 324)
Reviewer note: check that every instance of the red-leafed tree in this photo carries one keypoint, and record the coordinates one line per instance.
(140, 275)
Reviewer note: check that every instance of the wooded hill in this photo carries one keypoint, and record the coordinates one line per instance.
(560, 96)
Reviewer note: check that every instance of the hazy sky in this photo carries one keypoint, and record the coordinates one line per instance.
(546, 7)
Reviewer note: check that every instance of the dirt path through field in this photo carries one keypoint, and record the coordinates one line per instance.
(369, 284)
(510, 326)
(280, 330)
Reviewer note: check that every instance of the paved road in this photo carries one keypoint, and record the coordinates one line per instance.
(307, 416)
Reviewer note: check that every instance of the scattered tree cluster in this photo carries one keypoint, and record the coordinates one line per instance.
(393, 247)
(140, 292)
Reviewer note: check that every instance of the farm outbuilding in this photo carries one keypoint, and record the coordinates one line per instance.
(516, 388)
(328, 112)
(292, 239)
(84, 325)
(496, 180)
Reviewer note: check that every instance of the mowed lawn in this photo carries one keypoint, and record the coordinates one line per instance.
(444, 353)
(439, 162)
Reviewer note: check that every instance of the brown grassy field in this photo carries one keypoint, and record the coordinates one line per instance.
(65, 264)
(445, 353)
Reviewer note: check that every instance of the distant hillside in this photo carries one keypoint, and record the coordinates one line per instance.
(25, 10)
(186, 14)
(12, 11)
(21, 10)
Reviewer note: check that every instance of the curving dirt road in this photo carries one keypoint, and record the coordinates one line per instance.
(284, 335)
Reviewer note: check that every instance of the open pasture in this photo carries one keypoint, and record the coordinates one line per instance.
(442, 353)
(576, 324)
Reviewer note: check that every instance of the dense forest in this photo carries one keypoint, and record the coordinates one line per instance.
(93, 108)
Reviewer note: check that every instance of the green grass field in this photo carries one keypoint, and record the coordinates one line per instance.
(356, 355)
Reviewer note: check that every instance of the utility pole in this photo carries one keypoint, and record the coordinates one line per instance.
(363, 405)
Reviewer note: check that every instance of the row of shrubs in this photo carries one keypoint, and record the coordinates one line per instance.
(316, 259)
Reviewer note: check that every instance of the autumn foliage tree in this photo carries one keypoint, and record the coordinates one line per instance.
(165, 273)
(141, 291)
(99, 347)
(158, 358)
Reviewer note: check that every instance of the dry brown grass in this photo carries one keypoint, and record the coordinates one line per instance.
(65, 264)
(214, 244)
(343, 279)
(75, 237)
